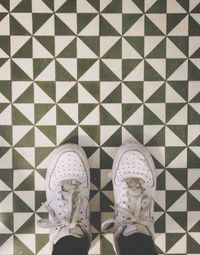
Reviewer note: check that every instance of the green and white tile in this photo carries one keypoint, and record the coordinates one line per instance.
(99, 73)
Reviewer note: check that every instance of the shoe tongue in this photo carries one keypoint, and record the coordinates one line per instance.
(68, 186)
(76, 232)
(71, 183)
(135, 228)
(134, 186)
(68, 195)
(130, 229)
(133, 182)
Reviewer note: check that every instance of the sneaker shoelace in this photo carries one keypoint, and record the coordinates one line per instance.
(137, 210)
(70, 198)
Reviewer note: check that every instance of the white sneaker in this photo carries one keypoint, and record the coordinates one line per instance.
(67, 192)
(134, 185)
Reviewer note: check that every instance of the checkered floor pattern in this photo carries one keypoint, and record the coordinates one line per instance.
(99, 73)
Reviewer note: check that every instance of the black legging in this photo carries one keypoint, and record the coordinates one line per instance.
(136, 244)
(70, 245)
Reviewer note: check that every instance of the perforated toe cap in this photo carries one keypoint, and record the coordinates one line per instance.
(68, 166)
(133, 163)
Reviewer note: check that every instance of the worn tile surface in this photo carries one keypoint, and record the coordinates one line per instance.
(99, 73)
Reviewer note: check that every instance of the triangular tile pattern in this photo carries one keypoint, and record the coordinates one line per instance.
(99, 73)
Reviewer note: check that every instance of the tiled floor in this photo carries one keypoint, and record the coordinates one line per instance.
(98, 73)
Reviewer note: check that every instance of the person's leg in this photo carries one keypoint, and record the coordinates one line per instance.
(67, 192)
(70, 245)
(134, 184)
(136, 244)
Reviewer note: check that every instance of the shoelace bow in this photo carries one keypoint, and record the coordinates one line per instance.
(141, 202)
(67, 195)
